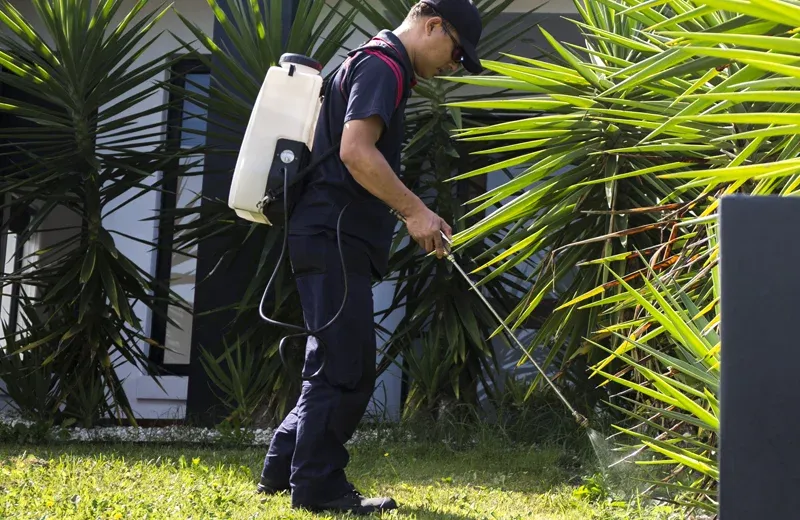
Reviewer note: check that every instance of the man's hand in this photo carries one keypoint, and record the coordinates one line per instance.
(426, 228)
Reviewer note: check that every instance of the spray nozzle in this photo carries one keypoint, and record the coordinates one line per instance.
(582, 421)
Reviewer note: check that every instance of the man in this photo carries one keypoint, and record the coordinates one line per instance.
(364, 108)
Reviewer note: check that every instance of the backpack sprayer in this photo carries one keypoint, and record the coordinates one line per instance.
(274, 159)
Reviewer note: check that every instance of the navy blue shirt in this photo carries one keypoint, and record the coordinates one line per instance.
(376, 81)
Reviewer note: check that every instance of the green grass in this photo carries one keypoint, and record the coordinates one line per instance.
(429, 481)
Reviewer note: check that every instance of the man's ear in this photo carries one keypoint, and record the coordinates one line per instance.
(431, 23)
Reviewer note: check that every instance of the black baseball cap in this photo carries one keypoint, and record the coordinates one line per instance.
(465, 18)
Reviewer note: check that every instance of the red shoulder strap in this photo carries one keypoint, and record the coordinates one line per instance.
(393, 65)
(398, 75)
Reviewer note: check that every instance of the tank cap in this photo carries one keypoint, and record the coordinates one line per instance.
(299, 59)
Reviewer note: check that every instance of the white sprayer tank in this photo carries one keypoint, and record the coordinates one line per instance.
(287, 107)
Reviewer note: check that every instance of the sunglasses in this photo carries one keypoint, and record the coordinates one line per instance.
(458, 50)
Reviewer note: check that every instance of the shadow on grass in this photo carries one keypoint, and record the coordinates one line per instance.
(426, 514)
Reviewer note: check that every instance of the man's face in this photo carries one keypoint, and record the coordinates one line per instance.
(441, 51)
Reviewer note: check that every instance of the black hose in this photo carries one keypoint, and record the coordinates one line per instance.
(302, 331)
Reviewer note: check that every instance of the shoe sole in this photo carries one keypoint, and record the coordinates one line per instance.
(361, 510)
(268, 490)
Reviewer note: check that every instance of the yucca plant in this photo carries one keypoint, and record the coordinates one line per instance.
(256, 39)
(244, 382)
(750, 111)
(429, 369)
(429, 291)
(672, 105)
(32, 389)
(572, 203)
(615, 126)
(670, 353)
(74, 141)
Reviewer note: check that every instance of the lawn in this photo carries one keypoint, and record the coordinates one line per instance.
(429, 481)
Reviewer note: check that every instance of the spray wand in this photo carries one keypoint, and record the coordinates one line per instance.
(582, 421)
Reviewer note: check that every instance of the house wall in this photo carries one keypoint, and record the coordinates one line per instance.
(551, 6)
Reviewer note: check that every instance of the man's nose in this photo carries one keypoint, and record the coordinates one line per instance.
(454, 66)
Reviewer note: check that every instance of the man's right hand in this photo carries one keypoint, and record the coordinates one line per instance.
(426, 228)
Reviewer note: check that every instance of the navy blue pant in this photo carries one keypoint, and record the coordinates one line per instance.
(307, 451)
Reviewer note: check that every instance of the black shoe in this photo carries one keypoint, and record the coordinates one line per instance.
(355, 502)
(266, 488)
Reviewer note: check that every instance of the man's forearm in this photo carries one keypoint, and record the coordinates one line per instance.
(370, 169)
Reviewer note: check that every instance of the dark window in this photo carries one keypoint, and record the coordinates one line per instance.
(176, 269)
(18, 154)
(9, 263)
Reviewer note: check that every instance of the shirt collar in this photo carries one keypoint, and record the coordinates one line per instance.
(392, 40)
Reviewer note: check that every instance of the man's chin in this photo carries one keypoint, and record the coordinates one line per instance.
(426, 74)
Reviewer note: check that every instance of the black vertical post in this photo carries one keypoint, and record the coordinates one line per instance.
(225, 286)
(760, 426)
(288, 11)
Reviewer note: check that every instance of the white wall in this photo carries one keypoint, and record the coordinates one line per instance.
(552, 6)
